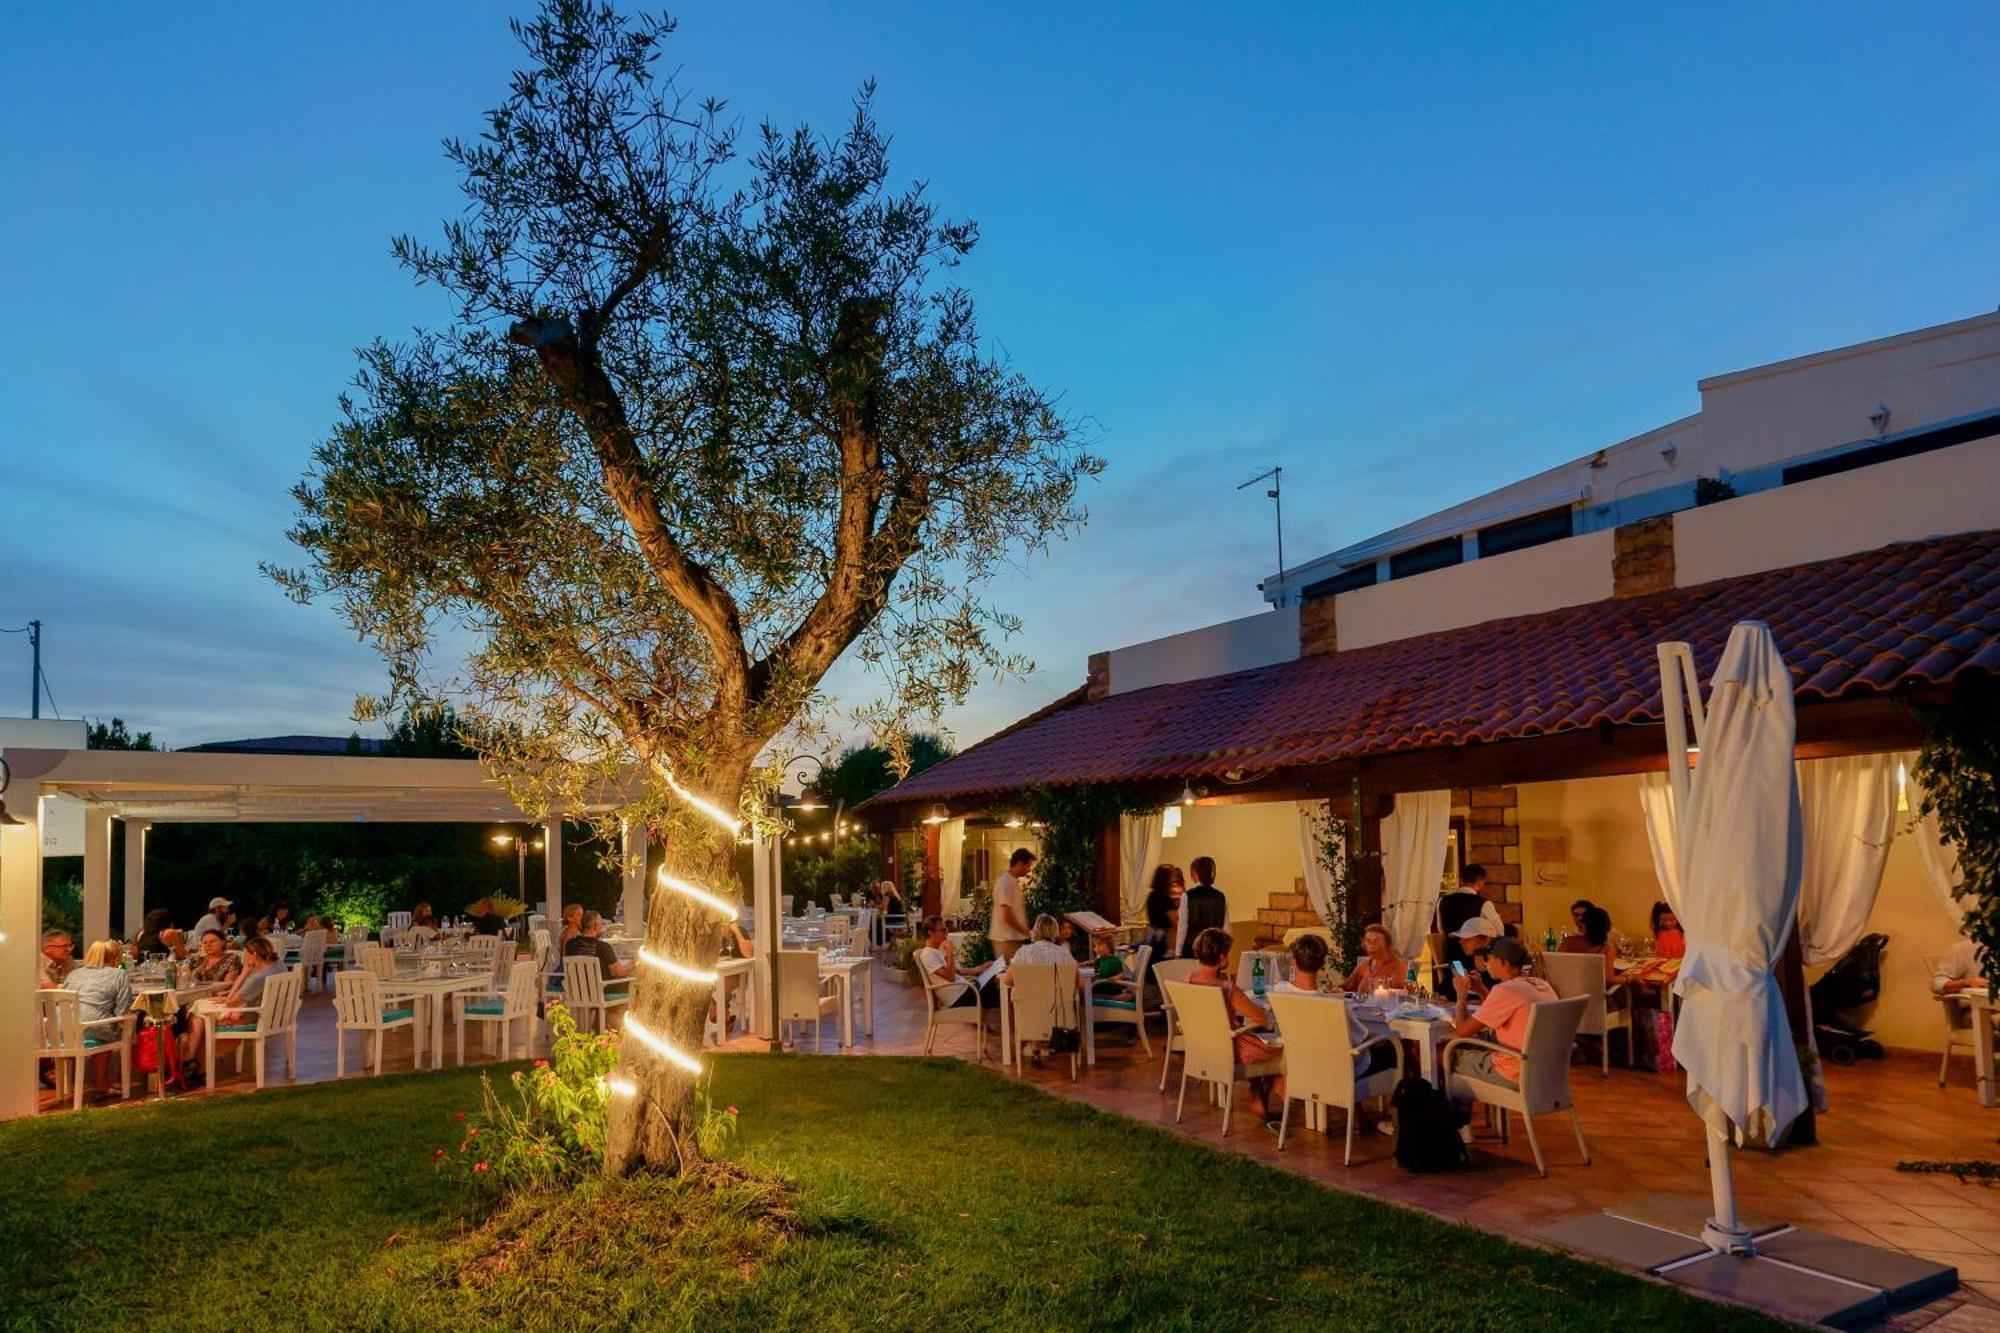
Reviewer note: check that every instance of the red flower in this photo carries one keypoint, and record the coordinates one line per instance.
(439, 1153)
(459, 1116)
(479, 1166)
(471, 1134)
(732, 1110)
(541, 1064)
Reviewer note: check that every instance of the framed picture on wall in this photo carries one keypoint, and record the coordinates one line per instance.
(1454, 852)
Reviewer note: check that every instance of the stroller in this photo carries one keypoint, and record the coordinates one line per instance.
(1850, 983)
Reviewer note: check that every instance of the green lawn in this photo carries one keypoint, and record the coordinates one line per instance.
(928, 1195)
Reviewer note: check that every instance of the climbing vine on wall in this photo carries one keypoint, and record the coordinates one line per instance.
(1959, 768)
(1071, 821)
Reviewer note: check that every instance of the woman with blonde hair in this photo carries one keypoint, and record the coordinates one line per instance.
(1379, 966)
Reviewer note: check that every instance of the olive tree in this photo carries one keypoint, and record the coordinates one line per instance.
(708, 417)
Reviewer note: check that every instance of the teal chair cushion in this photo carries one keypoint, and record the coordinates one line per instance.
(1111, 1002)
(237, 1027)
(555, 983)
(397, 1015)
(97, 1039)
(486, 1007)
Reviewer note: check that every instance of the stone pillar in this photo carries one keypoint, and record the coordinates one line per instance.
(135, 878)
(1319, 632)
(96, 876)
(1493, 840)
(552, 849)
(1097, 678)
(1642, 557)
(20, 947)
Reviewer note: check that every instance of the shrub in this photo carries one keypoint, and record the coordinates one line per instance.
(548, 1126)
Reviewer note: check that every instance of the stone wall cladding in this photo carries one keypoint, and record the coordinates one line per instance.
(1642, 557)
(1319, 632)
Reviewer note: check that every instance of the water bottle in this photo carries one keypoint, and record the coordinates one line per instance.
(1549, 940)
(173, 976)
(1257, 977)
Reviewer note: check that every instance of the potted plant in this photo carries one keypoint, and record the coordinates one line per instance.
(904, 968)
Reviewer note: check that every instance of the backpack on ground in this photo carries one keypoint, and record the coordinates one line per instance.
(1427, 1136)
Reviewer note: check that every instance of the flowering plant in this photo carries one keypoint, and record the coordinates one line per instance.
(548, 1123)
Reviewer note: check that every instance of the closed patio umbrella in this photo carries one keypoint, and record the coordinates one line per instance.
(1739, 847)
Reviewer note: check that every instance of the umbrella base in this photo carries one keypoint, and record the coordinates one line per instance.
(1722, 1239)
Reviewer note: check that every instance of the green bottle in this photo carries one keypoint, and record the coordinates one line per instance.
(1256, 976)
(1549, 940)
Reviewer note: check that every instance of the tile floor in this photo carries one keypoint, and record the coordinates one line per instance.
(1642, 1139)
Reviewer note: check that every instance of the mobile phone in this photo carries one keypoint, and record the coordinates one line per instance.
(1458, 966)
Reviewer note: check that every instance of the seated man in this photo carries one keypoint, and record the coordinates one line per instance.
(585, 944)
(1503, 1015)
(1958, 970)
(1473, 937)
(955, 990)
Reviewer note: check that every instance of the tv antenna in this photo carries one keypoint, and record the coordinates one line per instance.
(1276, 476)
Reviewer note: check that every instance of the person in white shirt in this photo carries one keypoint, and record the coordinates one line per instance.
(1308, 961)
(939, 961)
(213, 920)
(1958, 970)
(1009, 926)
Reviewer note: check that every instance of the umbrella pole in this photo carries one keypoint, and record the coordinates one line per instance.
(1723, 1233)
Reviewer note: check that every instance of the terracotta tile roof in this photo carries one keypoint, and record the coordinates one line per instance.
(1902, 615)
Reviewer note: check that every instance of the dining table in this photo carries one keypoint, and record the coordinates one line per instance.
(433, 986)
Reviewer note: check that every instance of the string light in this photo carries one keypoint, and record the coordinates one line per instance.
(622, 1087)
(659, 1046)
(720, 906)
(701, 803)
(671, 968)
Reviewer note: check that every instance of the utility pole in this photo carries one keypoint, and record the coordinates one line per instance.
(1276, 477)
(35, 679)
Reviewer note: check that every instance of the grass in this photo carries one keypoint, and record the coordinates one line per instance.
(878, 1192)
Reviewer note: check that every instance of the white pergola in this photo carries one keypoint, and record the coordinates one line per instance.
(144, 788)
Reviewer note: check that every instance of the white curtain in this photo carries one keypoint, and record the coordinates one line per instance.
(1940, 858)
(1413, 866)
(1848, 810)
(1656, 800)
(1319, 880)
(1139, 839)
(951, 864)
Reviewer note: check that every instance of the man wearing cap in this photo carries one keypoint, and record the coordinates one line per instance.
(1473, 938)
(1503, 1015)
(217, 907)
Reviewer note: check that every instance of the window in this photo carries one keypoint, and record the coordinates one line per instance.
(1550, 525)
(1347, 580)
(1422, 559)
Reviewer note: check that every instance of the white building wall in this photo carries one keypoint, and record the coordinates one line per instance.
(1930, 495)
(1215, 650)
(62, 818)
(1540, 578)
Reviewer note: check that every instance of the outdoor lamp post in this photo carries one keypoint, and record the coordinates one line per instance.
(520, 843)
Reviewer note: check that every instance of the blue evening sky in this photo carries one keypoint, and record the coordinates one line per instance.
(1407, 251)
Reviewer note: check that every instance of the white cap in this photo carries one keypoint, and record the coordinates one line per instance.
(214, 903)
(1475, 927)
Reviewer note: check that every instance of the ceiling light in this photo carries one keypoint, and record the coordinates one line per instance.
(1015, 821)
(1187, 793)
(937, 814)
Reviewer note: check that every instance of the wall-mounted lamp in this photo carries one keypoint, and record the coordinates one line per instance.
(6, 776)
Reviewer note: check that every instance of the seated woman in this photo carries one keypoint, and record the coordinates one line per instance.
(1308, 962)
(1211, 954)
(939, 961)
(422, 915)
(213, 964)
(1379, 965)
(158, 921)
(103, 989)
(260, 964)
(1594, 936)
(1044, 946)
(1669, 941)
(282, 919)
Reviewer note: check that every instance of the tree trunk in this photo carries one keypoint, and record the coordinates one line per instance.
(655, 1128)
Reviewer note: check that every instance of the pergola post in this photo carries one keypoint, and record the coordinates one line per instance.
(135, 876)
(632, 891)
(20, 948)
(552, 869)
(96, 875)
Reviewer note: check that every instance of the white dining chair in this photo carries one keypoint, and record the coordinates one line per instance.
(485, 946)
(312, 957)
(69, 1042)
(1123, 1000)
(1543, 1086)
(277, 1017)
(839, 931)
(940, 1009)
(1957, 1016)
(803, 995)
(586, 995)
(362, 1004)
(1044, 997)
(1581, 975)
(1202, 1012)
(1171, 969)
(516, 1004)
(397, 921)
(1320, 1056)
(402, 939)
